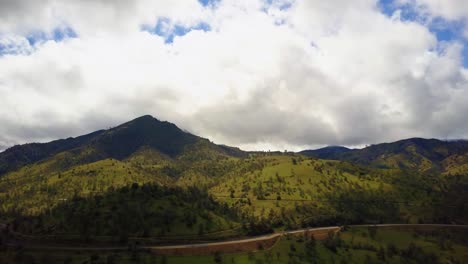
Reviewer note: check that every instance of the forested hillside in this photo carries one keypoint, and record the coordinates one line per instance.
(414, 154)
(150, 179)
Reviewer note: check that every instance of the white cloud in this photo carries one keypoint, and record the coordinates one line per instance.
(316, 73)
(450, 9)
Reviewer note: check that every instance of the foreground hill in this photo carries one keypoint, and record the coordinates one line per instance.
(423, 155)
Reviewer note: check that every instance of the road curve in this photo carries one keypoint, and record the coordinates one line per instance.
(253, 239)
(248, 244)
(415, 225)
(257, 238)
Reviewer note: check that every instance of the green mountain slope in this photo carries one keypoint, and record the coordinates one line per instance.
(148, 210)
(144, 150)
(145, 167)
(17, 156)
(424, 155)
(117, 143)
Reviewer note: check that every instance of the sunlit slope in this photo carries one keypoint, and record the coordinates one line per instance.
(101, 192)
(295, 190)
(255, 192)
(414, 154)
(42, 185)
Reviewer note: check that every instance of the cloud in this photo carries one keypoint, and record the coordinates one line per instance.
(90, 17)
(258, 74)
(451, 9)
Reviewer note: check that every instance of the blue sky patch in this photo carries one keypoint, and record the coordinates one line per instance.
(168, 30)
(282, 5)
(465, 55)
(24, 45)
(58, 34)
(407, 10)
(443, 29)
(64, 33)
(13, 46)
(209, 2)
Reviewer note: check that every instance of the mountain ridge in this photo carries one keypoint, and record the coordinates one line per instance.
(425, 155)
(118, 142)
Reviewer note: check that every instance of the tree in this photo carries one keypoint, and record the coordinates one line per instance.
(217, 257)
(201, 229)
(311, 250)
(111, 259)
(391, 250)
(381, 254)
(332, 242)
(292, 248)
(372, 231)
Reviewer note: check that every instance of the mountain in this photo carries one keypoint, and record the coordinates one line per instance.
(144, 155)
(330, 152)
(424, 155)
(20, 155)
(149, 178)
(118, 143)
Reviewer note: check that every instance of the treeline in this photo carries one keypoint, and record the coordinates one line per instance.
(365, 206)
(136, 210)
(452, 203)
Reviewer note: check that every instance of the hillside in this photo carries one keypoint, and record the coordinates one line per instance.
(144, 150)
(116, 143)
(20, 155)
(330, 152)
(129, 174)
(423, 155)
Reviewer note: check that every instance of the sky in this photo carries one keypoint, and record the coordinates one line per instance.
(257, 74)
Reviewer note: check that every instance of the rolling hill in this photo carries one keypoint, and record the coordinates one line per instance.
(423, 155)
(330, 152)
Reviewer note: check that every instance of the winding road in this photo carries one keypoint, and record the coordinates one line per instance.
(231, 246)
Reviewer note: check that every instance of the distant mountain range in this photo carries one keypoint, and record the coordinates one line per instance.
(424, 155)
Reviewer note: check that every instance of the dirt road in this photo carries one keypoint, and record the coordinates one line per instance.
(243, 245)
(232, 246)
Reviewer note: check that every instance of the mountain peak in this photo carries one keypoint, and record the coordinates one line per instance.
(141, 120)
(121, 141)
(328, 152)
(145, 118)
(118, 142)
